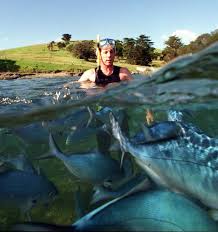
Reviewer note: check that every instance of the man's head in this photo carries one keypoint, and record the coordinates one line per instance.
(107, 51)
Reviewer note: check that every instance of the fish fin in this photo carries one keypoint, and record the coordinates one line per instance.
(117, 133)
(91, 116)
(149, 116)
(122, 157)
(54, 148)
(146, 133)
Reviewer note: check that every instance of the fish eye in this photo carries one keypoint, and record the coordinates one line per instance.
(34, 201)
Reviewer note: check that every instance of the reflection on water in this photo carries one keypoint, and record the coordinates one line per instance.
(77, 117)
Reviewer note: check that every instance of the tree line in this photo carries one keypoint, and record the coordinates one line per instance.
(175, 47)
(140, 50)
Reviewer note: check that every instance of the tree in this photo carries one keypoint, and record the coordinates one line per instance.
(119, 49)
(138, 51)
(200, 43)
(171, 51)
(61, 45)
(214, 36)
(66, 38)
(128, 49)
(50, 46)
(82, 50)
(144, 50)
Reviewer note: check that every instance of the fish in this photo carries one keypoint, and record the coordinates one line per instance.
(102, 115)
(25, 190)
(80, 118)
(162, 130)
(187, 164)
(156, 210)
(83, 136)
(92, 167)
(156, 132)
(33, 133)
(139, 182)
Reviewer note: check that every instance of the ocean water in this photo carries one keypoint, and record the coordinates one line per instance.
(189, 84)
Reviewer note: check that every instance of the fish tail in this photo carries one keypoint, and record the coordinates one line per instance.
(54, 149)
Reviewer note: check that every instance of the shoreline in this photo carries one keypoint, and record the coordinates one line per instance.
(18, 75)
(51, 74)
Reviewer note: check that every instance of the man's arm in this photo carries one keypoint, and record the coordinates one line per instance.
(88, 75)
(125, 74)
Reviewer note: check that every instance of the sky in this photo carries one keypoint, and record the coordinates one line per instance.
(29, 22)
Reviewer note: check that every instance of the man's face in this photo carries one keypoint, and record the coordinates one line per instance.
(107, 55)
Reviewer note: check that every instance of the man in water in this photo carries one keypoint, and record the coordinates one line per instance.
(108, 72)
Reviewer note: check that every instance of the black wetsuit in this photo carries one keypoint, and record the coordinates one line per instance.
(102, 79)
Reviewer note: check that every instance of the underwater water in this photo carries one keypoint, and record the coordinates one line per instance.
(30, 109)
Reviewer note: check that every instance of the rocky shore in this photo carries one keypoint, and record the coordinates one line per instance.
(16, 75)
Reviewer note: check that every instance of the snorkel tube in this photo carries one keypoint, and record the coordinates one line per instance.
(98, 52)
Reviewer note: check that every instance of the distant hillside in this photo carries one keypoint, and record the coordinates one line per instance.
(37, 58)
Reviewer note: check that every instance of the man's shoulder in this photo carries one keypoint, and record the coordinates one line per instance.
(124, 69)
(89, 71)
(88, 75)
(125, 74)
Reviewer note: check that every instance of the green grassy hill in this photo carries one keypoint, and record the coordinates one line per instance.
(37, 58)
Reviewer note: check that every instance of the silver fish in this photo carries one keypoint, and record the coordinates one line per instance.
(92, 167)
(25, 190)
(144, 211)
(187, 164)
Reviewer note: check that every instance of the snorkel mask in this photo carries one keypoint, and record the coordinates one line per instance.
(107, 42)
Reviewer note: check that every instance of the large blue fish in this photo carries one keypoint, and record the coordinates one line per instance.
(144, 211)
(187, 164)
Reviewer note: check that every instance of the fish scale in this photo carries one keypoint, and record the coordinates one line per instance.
(179, 164)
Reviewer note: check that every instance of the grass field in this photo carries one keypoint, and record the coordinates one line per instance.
(38, 58)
